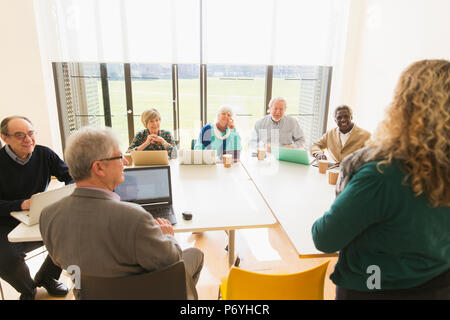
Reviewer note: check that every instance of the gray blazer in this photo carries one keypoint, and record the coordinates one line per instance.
(104, 236)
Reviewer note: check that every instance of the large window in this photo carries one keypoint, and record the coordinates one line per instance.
(117, 100)
(306, 93)
(107, 95)
(187, 58)
(242, 88)
(152, 88)
(189, 103)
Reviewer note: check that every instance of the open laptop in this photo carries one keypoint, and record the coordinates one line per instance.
(149, 187)
(41, 200)
(149, 158)
(291, 155)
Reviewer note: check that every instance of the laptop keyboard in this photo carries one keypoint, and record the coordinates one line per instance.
(159, 212)
(162, 212)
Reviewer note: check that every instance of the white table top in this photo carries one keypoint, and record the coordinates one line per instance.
(297, 194)
(219, 199)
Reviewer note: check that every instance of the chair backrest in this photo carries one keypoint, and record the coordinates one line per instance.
(306, 285)
(165, 284)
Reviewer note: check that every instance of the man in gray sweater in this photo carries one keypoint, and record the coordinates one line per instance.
(103, 236)
(277, 129)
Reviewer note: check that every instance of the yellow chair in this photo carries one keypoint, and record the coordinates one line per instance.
(246, 285)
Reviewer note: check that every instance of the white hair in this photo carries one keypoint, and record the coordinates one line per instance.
(86, 146)
(275, 99)
(225, 108)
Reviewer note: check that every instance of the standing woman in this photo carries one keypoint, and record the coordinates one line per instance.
(221, 136)
(153, 138)
(391, 219)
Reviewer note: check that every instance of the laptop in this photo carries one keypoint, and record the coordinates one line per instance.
(41, 200)
(151, 188)
(150, 158)
(291, 155)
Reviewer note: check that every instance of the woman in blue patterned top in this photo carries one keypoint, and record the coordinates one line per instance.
(153, 138)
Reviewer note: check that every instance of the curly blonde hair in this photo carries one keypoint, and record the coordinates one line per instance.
(416, 129)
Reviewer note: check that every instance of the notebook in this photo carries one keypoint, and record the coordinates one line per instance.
(291, 155)
(41, 200)
(149, 158)
(151, 188)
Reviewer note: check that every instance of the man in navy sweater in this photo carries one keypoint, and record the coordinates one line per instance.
(25, 169)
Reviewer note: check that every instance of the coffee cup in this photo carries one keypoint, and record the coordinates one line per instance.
(323, 166)
(227, 160)
(129, 159)
(333, 176)
(261, 154)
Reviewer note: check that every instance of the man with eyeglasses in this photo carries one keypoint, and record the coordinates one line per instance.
(25, 169)
(101, 235)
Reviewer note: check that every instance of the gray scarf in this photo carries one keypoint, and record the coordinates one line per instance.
(351, 164)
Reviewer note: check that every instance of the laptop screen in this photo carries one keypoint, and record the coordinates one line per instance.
(145, 185)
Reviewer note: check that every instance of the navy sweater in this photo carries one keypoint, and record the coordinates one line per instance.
(19, 182)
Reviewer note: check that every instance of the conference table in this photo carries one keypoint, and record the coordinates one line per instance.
(219, 198)
(297, 195)
(251, 194)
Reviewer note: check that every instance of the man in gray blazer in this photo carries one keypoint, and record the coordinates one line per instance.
(100, 234)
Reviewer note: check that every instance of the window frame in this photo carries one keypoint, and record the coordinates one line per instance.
(58, 75)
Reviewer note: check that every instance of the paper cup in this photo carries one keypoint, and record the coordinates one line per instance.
(227, 160)
(323, 166)
(332, 176)
(129, 159)
(261, 154)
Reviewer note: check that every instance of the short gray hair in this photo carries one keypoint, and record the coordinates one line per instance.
(225, 108)
(275, 99)
(343, 107)
(86, 146)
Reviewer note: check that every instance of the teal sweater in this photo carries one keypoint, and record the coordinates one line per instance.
(378, 221)
(208, 140)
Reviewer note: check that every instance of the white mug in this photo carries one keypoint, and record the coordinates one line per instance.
(198, 157)
(186, 158)
(209, 156)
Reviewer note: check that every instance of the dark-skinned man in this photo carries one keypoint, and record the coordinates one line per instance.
(340, 141)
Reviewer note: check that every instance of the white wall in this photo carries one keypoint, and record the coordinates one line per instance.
(392, 34)
(24, 83)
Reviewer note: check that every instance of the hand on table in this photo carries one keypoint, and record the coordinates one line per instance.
(165, 225)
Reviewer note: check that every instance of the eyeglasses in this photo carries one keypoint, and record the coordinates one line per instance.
(121, 157)
(22, 135)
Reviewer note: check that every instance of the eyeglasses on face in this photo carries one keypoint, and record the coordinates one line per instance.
(121, 157)
(22, 135)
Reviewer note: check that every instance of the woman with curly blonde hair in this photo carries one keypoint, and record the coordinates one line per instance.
(391, 218)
